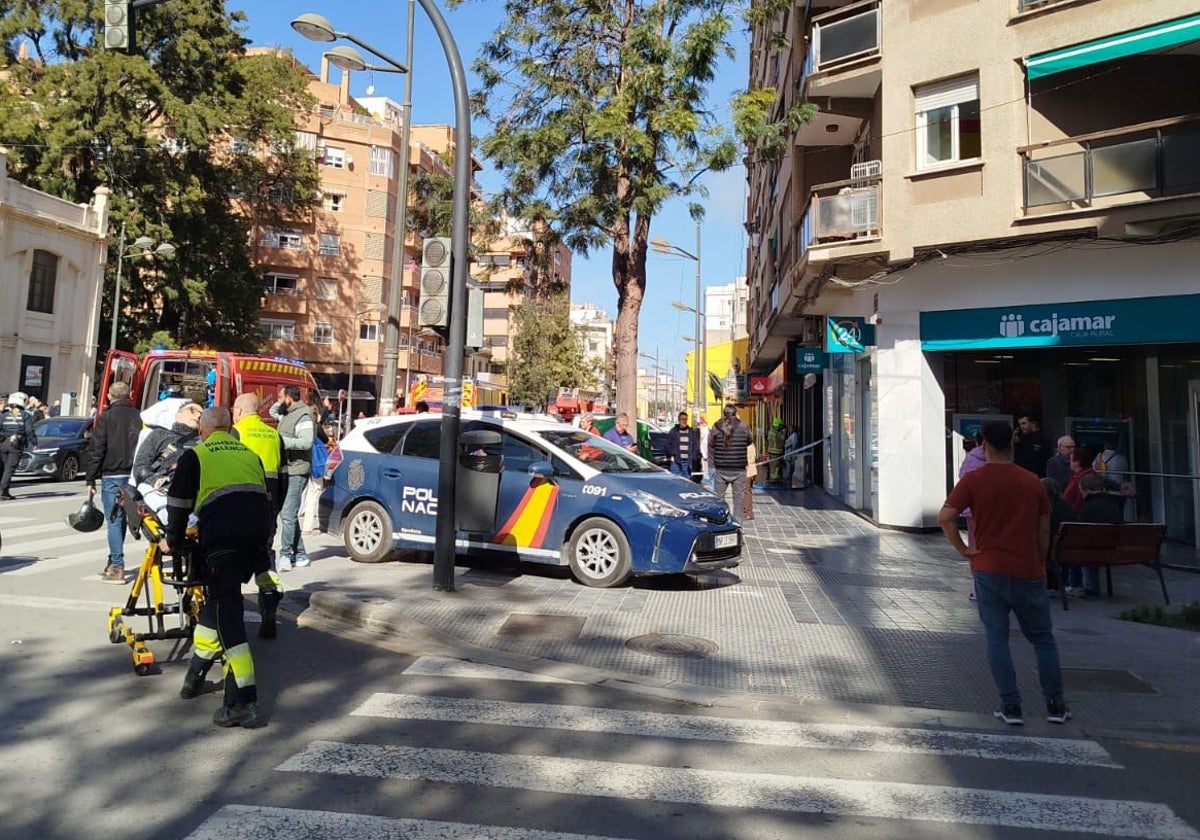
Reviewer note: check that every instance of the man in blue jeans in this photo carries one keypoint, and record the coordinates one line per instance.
(1011, 512)
(110, 460)
(297, 429)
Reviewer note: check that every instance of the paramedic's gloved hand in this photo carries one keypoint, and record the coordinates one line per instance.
(164, 547)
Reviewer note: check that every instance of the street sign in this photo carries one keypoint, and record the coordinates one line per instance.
(760, 386)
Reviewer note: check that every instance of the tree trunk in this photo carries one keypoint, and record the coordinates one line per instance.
(629, 276)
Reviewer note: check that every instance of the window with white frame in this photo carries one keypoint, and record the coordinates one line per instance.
(322, 333)
(333, 201)
(276, 330)
(381, 161)
(330, 245)
(327, 288)
(948, 125)
(335, 157)
(293, 240)
(275, 283)
(368, 331)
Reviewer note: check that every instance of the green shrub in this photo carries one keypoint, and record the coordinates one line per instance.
(1187, 617)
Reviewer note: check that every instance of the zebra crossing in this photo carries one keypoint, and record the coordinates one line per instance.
(881, 786)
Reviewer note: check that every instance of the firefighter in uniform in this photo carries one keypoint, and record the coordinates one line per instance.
(265, 442)
(222, 483)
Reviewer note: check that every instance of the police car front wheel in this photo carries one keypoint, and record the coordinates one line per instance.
(368, 533)
(599, 554)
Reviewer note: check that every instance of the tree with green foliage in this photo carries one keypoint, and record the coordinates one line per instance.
(547, 352)
(599, 118)
(193, 136)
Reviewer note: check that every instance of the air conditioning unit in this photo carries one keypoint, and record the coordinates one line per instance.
(319, 152)
(866, 170)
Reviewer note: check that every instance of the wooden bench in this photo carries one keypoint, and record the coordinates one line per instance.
(1088, 544)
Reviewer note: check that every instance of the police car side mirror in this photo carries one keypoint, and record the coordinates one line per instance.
(541, 469)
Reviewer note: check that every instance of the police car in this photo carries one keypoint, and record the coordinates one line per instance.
(565, 497)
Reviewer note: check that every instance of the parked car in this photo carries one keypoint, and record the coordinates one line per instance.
(565, 497)
(656, 441)
(61, 442)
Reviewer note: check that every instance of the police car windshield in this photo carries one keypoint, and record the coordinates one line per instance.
(597, 452)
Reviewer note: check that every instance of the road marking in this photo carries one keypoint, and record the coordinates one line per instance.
(438, 666)
(39, 548)
(40, 602)
(37, 529)
(720, 788)
(825, 736)
(246, 822)
(57, 564)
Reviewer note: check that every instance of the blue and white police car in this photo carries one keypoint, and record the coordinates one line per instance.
(564, 497)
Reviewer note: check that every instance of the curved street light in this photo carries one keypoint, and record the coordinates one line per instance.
(661, 246)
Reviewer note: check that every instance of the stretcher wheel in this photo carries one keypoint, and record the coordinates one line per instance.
(141, 670)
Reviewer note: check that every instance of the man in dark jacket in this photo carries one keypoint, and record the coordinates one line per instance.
(727, 453)
(16, 435)
(298, 432)
(1031, 448)
(683, 447)
(110, 459)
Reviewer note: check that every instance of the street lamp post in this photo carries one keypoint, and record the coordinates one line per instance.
(375, 307)
(319, 28)
(662, 246)
(445, 538)
(143, 246)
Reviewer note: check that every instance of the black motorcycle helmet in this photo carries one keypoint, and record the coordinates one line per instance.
(88, 518)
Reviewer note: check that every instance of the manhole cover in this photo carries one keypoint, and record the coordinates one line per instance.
(1104, 681)
(673, 645)
(531, 624)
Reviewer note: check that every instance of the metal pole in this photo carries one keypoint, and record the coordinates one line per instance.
(391, 351)
(112, 341)
(446, 533)
(696, 357)
(350, 386)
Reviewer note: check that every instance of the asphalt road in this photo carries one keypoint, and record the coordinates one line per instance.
(369, 741)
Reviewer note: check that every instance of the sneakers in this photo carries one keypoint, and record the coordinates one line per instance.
(114, 574)
(107, 566)
(245, 715)
(1057, 713)
(302, 561)
(7, 497)
(268, 603)
(283, 564)
(1010, 713)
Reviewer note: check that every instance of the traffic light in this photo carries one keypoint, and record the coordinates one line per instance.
(118, 25)
(434, 307)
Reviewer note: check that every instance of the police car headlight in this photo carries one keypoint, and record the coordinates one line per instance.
(654, 506)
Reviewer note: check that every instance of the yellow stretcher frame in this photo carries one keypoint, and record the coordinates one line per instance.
(146, 594)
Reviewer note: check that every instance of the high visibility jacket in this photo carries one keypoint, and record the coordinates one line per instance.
(227, 466)
(263, 441)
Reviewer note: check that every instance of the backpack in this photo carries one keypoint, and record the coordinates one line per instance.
(320, 458)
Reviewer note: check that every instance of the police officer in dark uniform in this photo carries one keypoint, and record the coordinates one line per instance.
(222, 482)
(16, 434)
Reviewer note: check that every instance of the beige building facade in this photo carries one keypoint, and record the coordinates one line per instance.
(52, 256)
(1003, 226)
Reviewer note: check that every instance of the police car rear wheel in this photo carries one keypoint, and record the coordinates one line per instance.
(368, 534)
(599, 554)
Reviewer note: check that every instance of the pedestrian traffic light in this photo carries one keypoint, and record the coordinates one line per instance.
(118, 25)
(434, 307)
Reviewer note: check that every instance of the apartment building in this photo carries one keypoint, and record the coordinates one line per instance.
(996, 206)
(326, 277)
(596, 332)
(52, 255)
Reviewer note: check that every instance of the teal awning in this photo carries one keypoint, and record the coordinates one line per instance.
(1147, 39)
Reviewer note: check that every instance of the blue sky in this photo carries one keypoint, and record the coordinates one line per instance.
(382, 25)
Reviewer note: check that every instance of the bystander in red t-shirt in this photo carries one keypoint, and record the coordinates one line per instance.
(1006, 502)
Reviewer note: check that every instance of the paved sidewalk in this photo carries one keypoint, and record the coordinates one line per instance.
(823, 607)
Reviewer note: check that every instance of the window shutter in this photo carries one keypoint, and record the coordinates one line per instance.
(949, 92)
(377, 204)
(372, 289)
(375, 246)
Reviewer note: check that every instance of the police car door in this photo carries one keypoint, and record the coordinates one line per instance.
(528, 519)
(409, 481)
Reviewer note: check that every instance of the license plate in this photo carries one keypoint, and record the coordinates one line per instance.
(725, 540)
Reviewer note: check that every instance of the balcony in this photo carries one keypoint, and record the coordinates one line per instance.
(284, 302)
(1136, 163)
(843, 59)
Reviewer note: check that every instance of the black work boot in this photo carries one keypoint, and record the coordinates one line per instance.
(245, 715)
(193, 684)
(268, 603)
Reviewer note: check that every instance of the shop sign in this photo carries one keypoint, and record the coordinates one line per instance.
(760, 386)
(845, 334)
(809, 360)
(1154, 320)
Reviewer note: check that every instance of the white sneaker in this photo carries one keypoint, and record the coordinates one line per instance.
(302, 561)
(283, 564)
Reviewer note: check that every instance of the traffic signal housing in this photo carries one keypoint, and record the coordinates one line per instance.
(118, 25)
(434, 307)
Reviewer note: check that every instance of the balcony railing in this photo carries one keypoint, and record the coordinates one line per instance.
(844, 34)
(841, 212)
(1151, 160)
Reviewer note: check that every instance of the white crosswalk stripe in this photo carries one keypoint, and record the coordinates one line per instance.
(440, 666)
(876, 739)
(292, 824)
(836, 797)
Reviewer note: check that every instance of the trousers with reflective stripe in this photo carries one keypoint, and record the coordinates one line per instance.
(221, 629)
